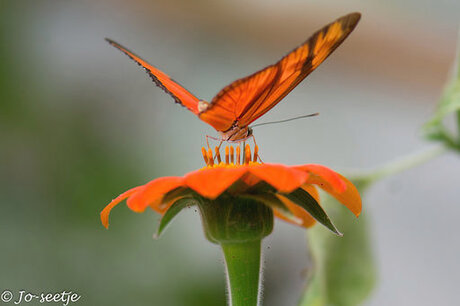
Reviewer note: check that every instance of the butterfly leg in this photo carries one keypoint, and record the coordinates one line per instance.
(217, 139)
(254, 139)
(213, 138)
(218, 147)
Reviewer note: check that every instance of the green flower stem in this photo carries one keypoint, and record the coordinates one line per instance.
(398, 165)
(242, 261)
(238, 225)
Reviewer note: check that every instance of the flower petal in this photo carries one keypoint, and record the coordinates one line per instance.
(250, 180)
(302, 217)
(320, 175)
(336, 185)
(152, 193)
(106, 211)
(312, 191)
(284, 179)
(350, 198)
(212, 182)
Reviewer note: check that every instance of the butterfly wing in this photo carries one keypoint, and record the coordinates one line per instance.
(246, 99)
(231, 101)
(179, 93)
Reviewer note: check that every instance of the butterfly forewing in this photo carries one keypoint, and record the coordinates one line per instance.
(179, 93)
(247, 99)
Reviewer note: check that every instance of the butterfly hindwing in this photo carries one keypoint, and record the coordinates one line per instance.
(246, 99)
(179, 93)
(226, 106)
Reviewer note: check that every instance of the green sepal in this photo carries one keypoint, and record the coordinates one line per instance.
(179, 192)
(182, 197)
(271, 200)
(262, 187)
(307, 202)
(175, 208)
(265, 193)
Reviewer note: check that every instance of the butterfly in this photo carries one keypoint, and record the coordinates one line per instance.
(239, 104)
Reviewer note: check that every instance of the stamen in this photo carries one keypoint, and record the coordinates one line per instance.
(210, 158)
(232, 155)
(238, 155)
(219, 160)
(205, 157)
(241, 157)
(247, 154)
(227, 157)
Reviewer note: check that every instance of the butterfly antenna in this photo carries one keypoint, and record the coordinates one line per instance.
(286, 120)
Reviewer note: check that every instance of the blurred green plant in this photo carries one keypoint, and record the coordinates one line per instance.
(435, 129)
(57, 168)
(344, 272)
(344, 267)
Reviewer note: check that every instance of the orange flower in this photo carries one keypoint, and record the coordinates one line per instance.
(289, 190)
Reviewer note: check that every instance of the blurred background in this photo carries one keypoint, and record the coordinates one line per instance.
(80, 123)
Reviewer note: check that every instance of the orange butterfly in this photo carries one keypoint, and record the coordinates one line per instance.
(239, 104)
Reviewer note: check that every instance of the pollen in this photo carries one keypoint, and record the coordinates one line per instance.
(233, 156)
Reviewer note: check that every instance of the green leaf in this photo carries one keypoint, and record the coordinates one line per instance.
(343, 272)
(307, 202)
(449, 104)
(172, 212)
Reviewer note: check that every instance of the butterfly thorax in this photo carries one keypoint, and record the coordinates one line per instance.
(236, 133)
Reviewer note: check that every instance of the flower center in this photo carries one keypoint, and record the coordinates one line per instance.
(233, 157)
